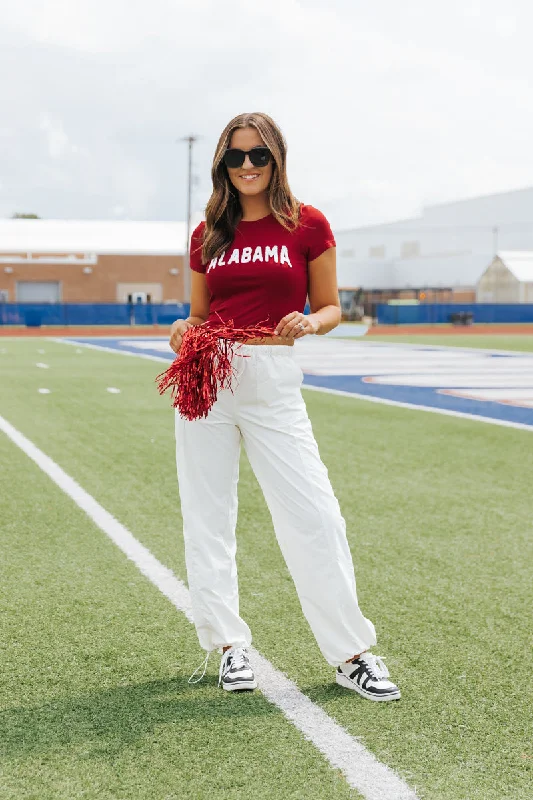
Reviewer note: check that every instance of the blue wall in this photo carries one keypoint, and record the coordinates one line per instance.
(430, 313)
(35, 314)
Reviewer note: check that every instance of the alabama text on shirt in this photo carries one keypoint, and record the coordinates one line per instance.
(244, 256)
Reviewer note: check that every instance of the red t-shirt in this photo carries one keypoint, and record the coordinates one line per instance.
(263, 274)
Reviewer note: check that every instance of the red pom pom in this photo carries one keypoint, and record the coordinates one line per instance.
(203, 365)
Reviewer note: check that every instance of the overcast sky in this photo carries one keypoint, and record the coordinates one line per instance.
(386, 106)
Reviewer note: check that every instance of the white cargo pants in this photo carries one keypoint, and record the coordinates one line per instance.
(267, 412)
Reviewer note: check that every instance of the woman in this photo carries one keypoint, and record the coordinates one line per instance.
(255, 260)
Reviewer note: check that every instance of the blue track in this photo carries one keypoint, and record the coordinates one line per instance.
(355, 384)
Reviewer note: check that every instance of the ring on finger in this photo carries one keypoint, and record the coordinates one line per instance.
(301, 326)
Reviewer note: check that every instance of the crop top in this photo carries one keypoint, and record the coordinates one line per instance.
(263, 275)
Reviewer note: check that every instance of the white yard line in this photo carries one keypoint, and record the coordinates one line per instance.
(362, 770)
(369, 398)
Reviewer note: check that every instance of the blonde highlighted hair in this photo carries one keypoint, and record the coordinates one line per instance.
(223, 211)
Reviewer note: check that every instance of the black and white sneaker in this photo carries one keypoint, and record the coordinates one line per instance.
(236, 673)
(367, 675)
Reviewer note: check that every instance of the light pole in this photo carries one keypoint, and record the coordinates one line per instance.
(187, 273)
(495, 232)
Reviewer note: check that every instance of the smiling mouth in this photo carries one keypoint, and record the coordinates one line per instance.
(250, 177)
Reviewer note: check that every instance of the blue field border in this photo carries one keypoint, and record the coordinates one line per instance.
(116, 344)
(355, 384)
(420, 396)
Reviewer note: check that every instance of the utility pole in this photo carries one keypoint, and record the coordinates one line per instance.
(187, 274)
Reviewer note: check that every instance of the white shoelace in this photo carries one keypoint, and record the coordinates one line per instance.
(376, 665)
(239, 659)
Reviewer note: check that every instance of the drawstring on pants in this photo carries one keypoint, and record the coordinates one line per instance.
(204, 665)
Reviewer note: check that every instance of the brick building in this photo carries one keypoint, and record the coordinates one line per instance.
(88, 261)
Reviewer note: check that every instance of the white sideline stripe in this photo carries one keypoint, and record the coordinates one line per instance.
(362, 770)
(447, 412)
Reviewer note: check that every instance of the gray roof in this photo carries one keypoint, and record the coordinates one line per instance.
(91, 236)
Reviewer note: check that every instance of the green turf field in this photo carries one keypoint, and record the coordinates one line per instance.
(94, 694)
(484, 341)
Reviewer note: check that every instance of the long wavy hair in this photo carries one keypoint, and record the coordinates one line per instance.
(223, 211)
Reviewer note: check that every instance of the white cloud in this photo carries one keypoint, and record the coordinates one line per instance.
(505, 25)
(59, 144)
(136, 187)
(473, 9)
(383, 105)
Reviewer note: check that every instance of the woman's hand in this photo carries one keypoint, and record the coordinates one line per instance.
(177, 332)
(295, 325)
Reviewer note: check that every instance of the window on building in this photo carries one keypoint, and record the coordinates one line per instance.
(410, 249)
(377, 252)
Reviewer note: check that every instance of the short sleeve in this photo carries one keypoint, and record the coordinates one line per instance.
(317, 232)
(195, 254)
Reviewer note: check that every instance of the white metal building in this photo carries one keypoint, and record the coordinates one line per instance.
(449, 245)
(507, 279)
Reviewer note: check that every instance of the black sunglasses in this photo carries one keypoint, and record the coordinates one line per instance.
(259, 156)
